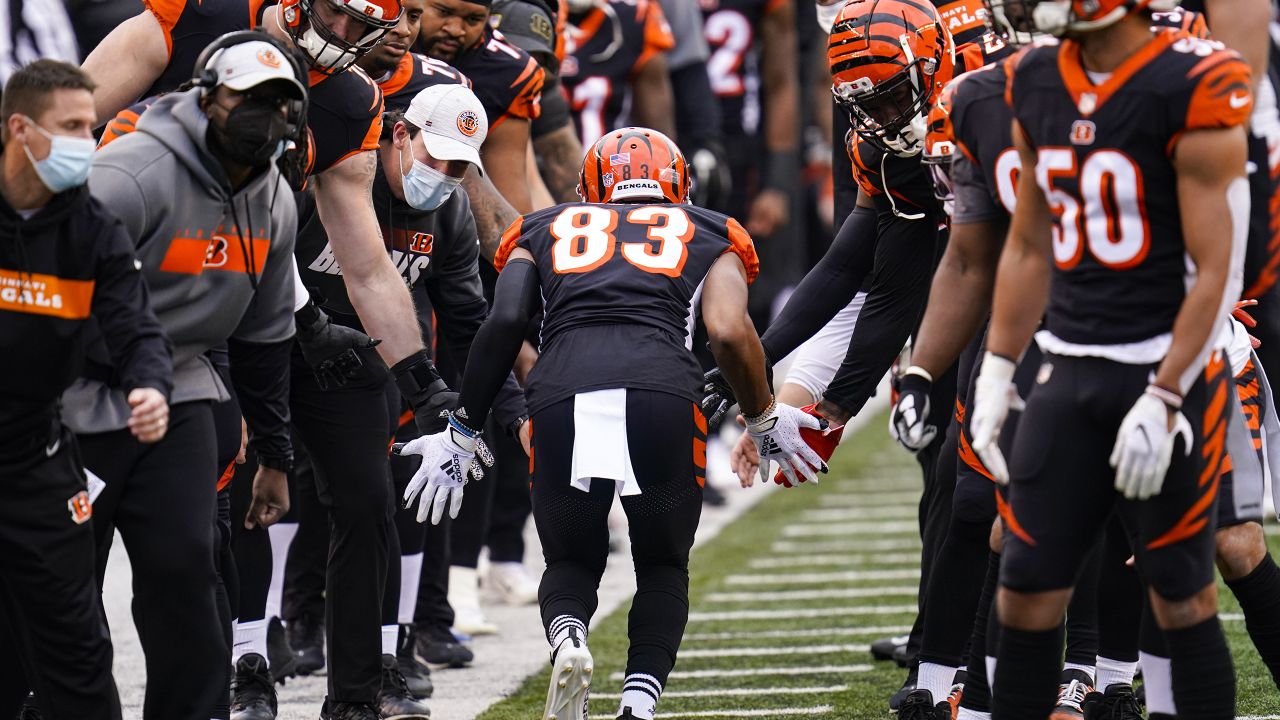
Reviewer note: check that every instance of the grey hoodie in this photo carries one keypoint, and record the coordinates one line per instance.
(200, 244)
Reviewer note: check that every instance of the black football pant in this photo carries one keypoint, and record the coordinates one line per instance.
(667, 439)
(162, 499)
(53, 636)
(498, 516)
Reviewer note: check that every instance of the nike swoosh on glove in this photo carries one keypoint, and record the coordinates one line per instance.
(994, 395)
(824, 441)
(1144, 446)
(908, 423)
(777, 434)
(448, 459)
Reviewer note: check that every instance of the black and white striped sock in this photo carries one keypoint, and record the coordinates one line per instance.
(640, 695)
(560, 627)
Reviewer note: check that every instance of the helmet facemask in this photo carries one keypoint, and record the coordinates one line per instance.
(330, 53)
(1013, 20)
(891, 115)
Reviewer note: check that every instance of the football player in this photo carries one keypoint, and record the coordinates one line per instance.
(616, 58)
(618, 270)
(1130, 397)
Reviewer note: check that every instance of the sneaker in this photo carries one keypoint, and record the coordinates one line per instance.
(415, 672)
(712, 497)
(464, 598)
(306, 636)
(348, 711)
(395, 702)
(919, 705)
(438, 648)
(253, 693)
(280, 655)
(884, 649)
(895, 700)
(1118, 703)
(1076, 684)
(513, 583)
(571, 668)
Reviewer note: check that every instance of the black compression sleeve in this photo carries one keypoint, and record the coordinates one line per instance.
(846, 188)
(498, 343)
(260, 373)
(827, 288)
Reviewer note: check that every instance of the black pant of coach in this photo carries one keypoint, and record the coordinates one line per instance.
(53, 638)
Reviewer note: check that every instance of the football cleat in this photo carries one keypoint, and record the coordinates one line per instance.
(280, 655)
(571, 669)
(908, 685)
(513, 583)
(416, 673)
(884, 649)
(1075, 687)
(253, 694)
(438, 647)
(306, 637)
(348, 711)
(395, 702)
(1118, 703)
(823, 442)
(919, 705)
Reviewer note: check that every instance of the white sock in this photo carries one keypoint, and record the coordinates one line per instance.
(410, 575)
(640, 692)
(390, 633)
(250, 637)
(1086, 669)
(937, 679)
(967, 714)
(281, 535)
(991, 672)
(1157, 676)
(1114, 672)
(559, 629)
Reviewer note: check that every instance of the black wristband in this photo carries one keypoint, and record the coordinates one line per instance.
(283, 463)
(418, 379)
(309, 319)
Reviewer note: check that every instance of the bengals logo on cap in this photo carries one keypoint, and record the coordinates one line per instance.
(468, 123)
(268, 57)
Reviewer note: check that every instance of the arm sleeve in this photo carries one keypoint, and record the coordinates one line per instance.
(498, 342)
(904, 262)
(829, 286)
(846, 187)
(137, 343)
(260, 374)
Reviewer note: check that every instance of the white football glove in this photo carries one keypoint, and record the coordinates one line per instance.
(776, 433)
(908, 423)
(1144, 446)
(448, 459)
(994, 395)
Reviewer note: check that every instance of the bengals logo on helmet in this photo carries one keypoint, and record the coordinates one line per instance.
(468, 123)
(634, 163)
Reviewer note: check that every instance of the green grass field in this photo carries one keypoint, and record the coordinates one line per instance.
(786, 599)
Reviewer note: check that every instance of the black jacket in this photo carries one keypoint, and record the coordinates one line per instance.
(63, 270)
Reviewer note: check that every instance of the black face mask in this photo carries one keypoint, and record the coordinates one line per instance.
(253, 132)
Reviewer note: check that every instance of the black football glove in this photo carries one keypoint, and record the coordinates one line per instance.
(718, 397)
(330, 349)
(909, 421)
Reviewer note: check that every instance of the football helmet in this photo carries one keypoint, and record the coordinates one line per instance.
(634, 163)
(1060, 17)
(889, 59)
(1012, 20)
(940, 146)
(329, 52)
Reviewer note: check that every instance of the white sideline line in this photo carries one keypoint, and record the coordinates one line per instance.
(828, 514)
(776, 563)
(807, 712)
(768, 651)
(805, 547)
(814, 632)
(1259, 717)
(736, 692)
(852, 528)
(755, 672)
(834, 594)
(789, 613)
(1233, 617)
(819, 578)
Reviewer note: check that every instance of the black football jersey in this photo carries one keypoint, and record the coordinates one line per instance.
(506, 79)
(344, 117)
(619, 284)
(604, 52)
(981, 122)
(732, 28)
(1104, 163)
(189, 26)
(414, 74)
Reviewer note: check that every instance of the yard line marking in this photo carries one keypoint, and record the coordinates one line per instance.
(822, 578)
(803, 712)
(828, 514)
(833, 594)
(814, 632)
(776, 563)
(805, 547)
(1232, 617)
(735, 692)
(801, 613)
(1259, 717)
(900, 527)
(767, 651)
(755, 672)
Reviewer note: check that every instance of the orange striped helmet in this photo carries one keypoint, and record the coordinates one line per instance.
(1060, 17)
(634, 163)
(889, 59)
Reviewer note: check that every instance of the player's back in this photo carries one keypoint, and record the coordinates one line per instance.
(619, 284)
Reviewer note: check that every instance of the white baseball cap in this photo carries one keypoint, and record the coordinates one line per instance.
(452, 120)
(252, 63)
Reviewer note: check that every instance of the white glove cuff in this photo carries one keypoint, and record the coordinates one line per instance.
(998, 368)
(756, 420)
(917, 370)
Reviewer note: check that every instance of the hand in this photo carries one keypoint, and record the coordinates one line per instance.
(448, 458)
(908, 423)
(432, 413)
(776, 433)
(270, 500)
(823, 440)
(744, 458)
(717, 396)
(768, 213)
(242, 457)
(994, 395)
(150, 417)
(1144, 445)
(331, 350)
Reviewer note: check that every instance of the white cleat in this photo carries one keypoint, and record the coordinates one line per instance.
(571, 668)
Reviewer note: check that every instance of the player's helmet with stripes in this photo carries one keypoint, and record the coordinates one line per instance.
(634, 163)
(329, 52)
(1063, 17)
(888, 60)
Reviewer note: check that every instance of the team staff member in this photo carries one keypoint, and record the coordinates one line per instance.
(218, 259)
(63, 259)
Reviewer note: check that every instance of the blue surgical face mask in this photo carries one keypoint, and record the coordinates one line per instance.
(69, 161)
(426, 188)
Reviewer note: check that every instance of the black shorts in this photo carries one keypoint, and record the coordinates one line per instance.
(1242, 485)
(1063, 486)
